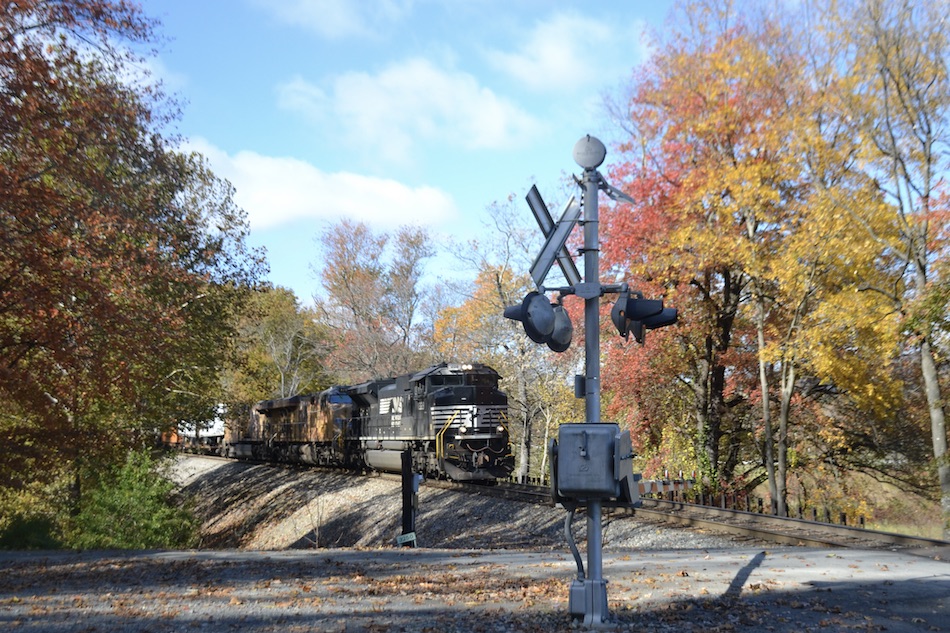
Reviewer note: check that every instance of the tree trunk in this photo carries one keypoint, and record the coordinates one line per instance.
(781, 475)
(767, 439)
(938, 430)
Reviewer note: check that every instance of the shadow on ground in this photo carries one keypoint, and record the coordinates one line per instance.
(260, 506)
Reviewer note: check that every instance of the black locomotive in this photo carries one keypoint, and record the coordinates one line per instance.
(451, 417)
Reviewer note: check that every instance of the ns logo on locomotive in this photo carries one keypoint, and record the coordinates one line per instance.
(452, 417)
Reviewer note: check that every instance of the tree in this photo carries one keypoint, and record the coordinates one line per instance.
(373, 305)
(895, 89)
(281, 349)
(743, 191)
(120, 255)
(685, 237)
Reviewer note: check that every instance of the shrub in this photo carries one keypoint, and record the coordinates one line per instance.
(29, 532)
(132, 507)
(29, 517)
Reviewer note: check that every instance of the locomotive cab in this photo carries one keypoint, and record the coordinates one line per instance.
(470, 423)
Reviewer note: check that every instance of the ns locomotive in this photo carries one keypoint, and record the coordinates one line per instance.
(451, 417)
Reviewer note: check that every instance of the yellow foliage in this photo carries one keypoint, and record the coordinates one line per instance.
(477, 329)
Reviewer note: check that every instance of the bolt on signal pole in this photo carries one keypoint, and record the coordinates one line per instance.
(590, 153)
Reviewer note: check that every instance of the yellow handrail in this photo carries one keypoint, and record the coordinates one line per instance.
(439, 438)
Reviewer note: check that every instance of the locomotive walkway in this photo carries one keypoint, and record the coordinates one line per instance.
(745, 589)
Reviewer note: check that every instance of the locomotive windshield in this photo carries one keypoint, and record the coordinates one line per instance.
(484, 380)
(458, 380)
(442, 381)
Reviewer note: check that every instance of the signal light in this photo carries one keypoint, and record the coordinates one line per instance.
(536, 315)
(543, 321)
(563, 330)
(636, 314)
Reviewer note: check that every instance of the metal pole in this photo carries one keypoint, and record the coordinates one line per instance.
(595, 587)
(408, 500)
(591, 304)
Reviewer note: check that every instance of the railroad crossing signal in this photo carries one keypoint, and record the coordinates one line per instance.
(536, 315)
(548, 323)
(543, 321)
(541, 266)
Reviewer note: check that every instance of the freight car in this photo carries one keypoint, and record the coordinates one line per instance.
(451, 417)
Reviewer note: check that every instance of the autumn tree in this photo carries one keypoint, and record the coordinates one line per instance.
(686, 235)
(120, 255)
(374, 294)
(743, 194)
(894, 88)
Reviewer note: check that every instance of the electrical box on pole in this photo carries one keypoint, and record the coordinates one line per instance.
(594, 461)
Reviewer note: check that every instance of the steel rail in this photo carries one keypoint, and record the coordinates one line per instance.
(765, 527)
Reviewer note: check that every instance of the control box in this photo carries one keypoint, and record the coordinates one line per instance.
(593, 461)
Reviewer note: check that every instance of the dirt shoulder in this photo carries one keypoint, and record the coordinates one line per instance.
(498, 568)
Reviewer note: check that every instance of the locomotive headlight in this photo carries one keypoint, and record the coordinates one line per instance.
(463, 430)
(500, 429)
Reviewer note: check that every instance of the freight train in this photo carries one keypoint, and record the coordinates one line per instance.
(451, 417)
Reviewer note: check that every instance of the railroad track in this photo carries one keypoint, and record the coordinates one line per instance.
(785, 530)
(740, 524)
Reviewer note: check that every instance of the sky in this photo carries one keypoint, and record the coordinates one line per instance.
(392, 112)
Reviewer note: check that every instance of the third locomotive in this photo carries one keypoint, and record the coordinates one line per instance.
(452, 417)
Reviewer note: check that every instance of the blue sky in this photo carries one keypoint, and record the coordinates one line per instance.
(392, 112)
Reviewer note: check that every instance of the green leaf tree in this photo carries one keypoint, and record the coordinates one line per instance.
(281, 348)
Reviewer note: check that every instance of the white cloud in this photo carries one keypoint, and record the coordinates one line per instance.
(171, 80)
(276, 190)
(413, 101)
(337, 19)
(570, 52)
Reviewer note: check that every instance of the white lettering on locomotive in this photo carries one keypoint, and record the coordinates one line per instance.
(392, 406)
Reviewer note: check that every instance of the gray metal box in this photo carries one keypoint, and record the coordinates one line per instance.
(587, 454)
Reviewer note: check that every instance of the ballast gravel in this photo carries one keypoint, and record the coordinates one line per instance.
(266, 507)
